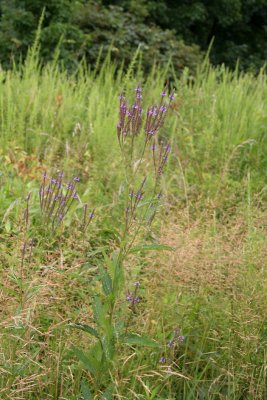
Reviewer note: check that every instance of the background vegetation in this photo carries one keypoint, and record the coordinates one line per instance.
(183, 29)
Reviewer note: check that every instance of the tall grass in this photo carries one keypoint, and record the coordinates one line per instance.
(211, 286)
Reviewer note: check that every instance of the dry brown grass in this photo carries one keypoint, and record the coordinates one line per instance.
(209, 255)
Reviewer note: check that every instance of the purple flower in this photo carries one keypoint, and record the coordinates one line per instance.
(171, 96)
(181, 338)
(76, 179)
(137, 284)
(138, 89)
(129, 297)
(136, 300)
(163, 93)
(53, 180)
(171, 344)
(162, 360)
(61, 216)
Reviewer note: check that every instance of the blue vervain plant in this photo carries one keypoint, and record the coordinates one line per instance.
(142, 198)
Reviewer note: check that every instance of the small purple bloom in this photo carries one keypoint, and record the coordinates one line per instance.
(61, 217)
(136, 300)
(138, 89)
(162, 360)
(75, 196)
(53, 180)
(171, 97)
(91, 215)
(137, 284)
(129, 297)
(181, 338)
(163, 109)
(76, 179)
(171, 344)
(69, 185)
(138, 95)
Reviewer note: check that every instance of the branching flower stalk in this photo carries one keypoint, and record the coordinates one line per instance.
(56, 198)
(140, 210)
(129, 127)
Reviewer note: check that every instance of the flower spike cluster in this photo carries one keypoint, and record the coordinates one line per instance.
(57, 197)
(130, 117)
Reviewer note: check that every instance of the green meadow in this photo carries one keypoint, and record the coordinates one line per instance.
(199, 329)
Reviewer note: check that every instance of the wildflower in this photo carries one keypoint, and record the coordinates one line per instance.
(136, 300)
(171, 344)
(129, 297)
(181, 338)
(137, 284)
(162, 360)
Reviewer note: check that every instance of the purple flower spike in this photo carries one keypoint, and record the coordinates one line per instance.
(162, 360)
(76, 179)
(171, 96)
(137, 284)
(129, 297)
(53, 180)
(181, 338)
(75, 196)
(61, 216)
(136, 300)
(138, 89)
(171, 344)
(163, 94)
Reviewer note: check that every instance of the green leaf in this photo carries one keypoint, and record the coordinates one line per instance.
(108, 393)
(87, 395)
(87, 363)
(149, 247)
(106, 281)
(85, 328)
(133, 338)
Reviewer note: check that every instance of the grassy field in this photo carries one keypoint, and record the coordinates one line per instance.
(198, 329)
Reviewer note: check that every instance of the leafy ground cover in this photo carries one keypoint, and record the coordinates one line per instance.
(185, 322)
